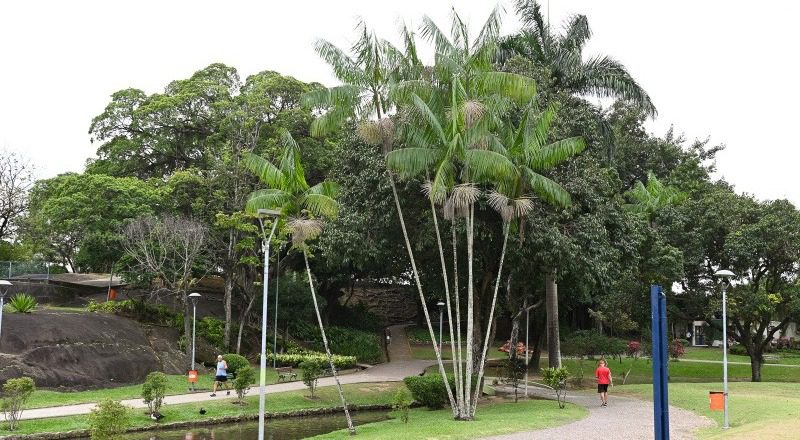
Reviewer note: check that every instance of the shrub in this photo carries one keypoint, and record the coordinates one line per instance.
(108, 419)
(515, 372)
(429, 390)
(364, 346)
(311, 369)
(401, 403)
(676, 349)
(633, 348)
(295, 359)
(15, 393)
(153, 391)
(212, 329)
(556, 378)
(783, 343)
(737, 350)
(590, 343)
(235, 363)
(22, 303)
(244, 378)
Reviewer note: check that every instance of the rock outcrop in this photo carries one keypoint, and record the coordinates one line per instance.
(391, 304)
(76, 350)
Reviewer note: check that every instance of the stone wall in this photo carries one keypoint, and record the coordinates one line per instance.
(392, 304)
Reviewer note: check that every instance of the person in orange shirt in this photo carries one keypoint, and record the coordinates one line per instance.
(603, 375)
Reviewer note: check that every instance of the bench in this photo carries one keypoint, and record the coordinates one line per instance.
(285, 373)
(771, 358)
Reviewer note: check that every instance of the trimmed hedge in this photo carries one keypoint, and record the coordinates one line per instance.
(429, 390)
(365, 346)
(295, 359)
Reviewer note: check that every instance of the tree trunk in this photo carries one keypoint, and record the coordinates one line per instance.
(227, 304)
(553, 337)
(458, 355)
(470, 314)
(756, 359)
(241, 323)
(327, 350)
(453, 405)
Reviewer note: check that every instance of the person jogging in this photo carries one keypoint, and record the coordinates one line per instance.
(603, 375)
(221, 378)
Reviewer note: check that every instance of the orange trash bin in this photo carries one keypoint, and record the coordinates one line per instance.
(716, 400)
(192, 376)
(112, 295)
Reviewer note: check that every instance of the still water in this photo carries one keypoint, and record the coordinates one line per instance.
(276, 429)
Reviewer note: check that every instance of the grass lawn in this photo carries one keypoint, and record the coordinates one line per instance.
(642, 371)
(327, 397)
(425, 351)
(789, 357)
(491, 419)
(176, 384)
(757, 410)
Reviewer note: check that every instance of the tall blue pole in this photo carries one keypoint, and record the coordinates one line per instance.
(658, 305)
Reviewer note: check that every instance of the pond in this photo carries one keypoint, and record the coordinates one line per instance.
(276, 429)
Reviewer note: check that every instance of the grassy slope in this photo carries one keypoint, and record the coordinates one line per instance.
(757, 410)
(492, 419)
(176, 385)
(327, 397)
(789, 357)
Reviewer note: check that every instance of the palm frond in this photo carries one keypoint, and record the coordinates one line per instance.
(267, 199)
(431, 32)
(519, 88)
(345, 69)
(330, 121)
(264, 170)
(577, 33)
(490, 32)
(556, 153)
(548, 190)
(411, 162)
(304, 229)
(608, 78)
(487, 165)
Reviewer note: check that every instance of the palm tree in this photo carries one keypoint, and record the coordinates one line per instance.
(562, 56)
(526, 148)
(365, 97)
(449, 133)
(301, 206)
(648, 199)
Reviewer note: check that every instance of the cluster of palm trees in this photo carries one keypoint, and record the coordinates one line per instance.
(470, 131)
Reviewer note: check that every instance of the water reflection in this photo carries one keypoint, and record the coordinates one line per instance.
(277, 429)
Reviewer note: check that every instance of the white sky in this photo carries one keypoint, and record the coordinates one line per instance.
(717, 68)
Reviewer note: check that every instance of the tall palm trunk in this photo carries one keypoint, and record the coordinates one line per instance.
(327, 350)
(458, 356)
(422, 296)
(459, 397)
(482, 363)
(553, 337)
(470, 317)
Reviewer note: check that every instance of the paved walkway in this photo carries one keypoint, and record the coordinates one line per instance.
(623, 419)
(402, 365)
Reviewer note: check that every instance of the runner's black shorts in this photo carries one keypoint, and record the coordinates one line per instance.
(222, 378)
(602, 388)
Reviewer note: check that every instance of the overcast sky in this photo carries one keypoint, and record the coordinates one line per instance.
(718, 69)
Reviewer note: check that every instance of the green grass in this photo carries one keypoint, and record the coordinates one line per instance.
(426, 352)
(757, 410)
(787, 357)
(176, 384)
(327, 397)
(491, 419)
(642, 371)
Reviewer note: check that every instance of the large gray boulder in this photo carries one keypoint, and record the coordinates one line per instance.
(85, 350)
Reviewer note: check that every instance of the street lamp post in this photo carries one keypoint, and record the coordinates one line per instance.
(194, 297)
(527, 327)
(275, 326)
(726, 275)
(4, 285)
(262, 389)
(440, 304)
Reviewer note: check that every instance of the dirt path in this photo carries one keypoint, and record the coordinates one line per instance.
(401, 366)
(623, 419)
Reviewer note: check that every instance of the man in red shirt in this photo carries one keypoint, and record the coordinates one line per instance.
(603, 375)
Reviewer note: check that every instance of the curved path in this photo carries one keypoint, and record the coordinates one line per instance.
(402, 365)
(623, 419)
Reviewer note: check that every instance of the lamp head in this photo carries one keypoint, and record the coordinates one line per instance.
(4, 285)
(194, 296)
(724, 274)
(440, 304)
(268, 213)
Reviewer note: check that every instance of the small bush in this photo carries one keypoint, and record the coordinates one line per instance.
(244, 378)
(676, 349)
(108, 420)
(235, 363)
(633, 348)
(212, 330)
(401, 404)
(364, 346)
(591, 343)
(153, 391)
(311, 369)
(556, 378)
(22, 303)
(295, 359)
(15, 393)
(429, 390)
(738, 350)
(783, 343)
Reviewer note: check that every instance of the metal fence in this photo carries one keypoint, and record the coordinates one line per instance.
(31, 269)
